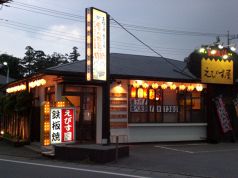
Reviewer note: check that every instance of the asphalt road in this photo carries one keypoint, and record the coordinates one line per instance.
(200, 160)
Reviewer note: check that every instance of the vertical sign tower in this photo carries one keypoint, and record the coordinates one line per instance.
(97, 54)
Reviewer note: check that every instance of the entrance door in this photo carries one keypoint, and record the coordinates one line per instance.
(83, 99)
(87, 123)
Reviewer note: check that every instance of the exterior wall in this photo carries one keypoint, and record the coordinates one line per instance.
(148, 132)
(99, 116)
(167, 132)
(119, 111)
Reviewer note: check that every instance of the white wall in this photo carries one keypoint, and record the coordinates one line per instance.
(167, 132)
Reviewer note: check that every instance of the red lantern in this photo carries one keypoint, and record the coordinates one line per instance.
(133, 92)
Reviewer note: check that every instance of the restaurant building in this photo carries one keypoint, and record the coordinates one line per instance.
(151, 100)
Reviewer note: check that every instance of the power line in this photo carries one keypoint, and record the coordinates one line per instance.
(150, 48)
(69, 16)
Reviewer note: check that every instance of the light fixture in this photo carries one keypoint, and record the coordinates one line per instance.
(136, 84)
(199, 87)
(220, 46)
(140, 93)
(151, 94)
(173, 87)
(2, 132)
(155, 85)
(225, 56)
(164, 86)
(133, 92)
(169, 83)
(182, 87)
(145, 85)
(232, 48)
(213, 51)
(202, 50)
(5, 63)
(190, 88)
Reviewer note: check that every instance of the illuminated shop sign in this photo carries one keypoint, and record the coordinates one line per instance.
(217, 71)
(62, 125)
(96, 44)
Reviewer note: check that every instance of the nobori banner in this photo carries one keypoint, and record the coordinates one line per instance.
(62, 125)
(97, 48)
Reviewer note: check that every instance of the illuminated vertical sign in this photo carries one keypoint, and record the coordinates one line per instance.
(96, 45)
(62, 125)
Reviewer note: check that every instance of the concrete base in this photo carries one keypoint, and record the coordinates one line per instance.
(95, 153)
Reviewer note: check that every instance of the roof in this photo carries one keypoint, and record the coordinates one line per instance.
(128, 65)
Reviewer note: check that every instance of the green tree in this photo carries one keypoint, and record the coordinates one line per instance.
(73, 56)
(15, 69)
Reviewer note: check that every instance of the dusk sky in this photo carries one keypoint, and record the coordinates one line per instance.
(174, 28)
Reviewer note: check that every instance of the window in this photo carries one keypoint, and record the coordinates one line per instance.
(166, 106)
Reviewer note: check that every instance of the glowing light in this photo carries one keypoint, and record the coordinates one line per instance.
(145, 85)
(60, 104)
(151, 94)
(2, 132)
(140, 92)
(46, 126)
(37, 83)
(169, 83)
(133, 92)
(136, 84)
(199, 87)
(173, 87)
(164, 86)
(190, 88)
(213, 51)
(225, 56)
(232, 48)
(182, 87)
(145, 93)
(47, 108)
(202, 50)
(155, 85)
(220, 46)
(16, 88)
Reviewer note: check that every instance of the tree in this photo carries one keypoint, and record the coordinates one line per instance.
(73, 56)
(15, 70)
(36, 60)
(28, 61)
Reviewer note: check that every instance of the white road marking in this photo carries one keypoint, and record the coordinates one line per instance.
(173, 149)
(214, 151)
(72, 168)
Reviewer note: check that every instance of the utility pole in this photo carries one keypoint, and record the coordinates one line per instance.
(231, 37)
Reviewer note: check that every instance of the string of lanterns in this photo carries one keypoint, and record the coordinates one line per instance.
(140, 88)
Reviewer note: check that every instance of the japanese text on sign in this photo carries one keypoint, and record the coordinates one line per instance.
(62, 125)
(99, 45)
(223, 115)
(220, 72)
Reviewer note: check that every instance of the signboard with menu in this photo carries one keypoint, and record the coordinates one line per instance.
(62, 125)
(97, 48)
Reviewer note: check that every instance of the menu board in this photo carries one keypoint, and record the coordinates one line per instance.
(138, 105)
(223, 115)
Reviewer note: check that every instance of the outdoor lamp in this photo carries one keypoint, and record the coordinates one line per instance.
(2, 132)
(220, 46)
(232, 48)
(6, 64)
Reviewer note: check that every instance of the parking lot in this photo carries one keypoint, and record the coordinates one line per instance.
(190, 159)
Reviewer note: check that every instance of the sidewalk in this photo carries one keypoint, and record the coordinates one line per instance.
(47, 151)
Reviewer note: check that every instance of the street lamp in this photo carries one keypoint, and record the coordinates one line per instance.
(6, 64)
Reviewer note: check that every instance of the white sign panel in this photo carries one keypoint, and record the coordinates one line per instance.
(99, 45)
(55, 125)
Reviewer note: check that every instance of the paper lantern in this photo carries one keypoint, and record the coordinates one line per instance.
(155, 85)
(133, 92)
(145, 85)
(182, 87)
(136, 84)
(140, 93)
(151, 94)
(164, 86)
(173, 87)
(190, 88)
(199, 87)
